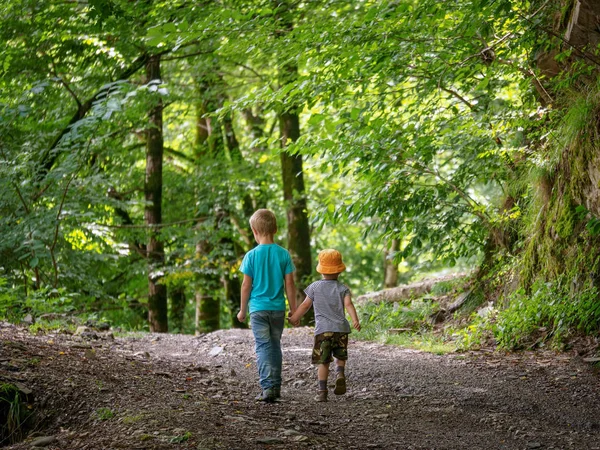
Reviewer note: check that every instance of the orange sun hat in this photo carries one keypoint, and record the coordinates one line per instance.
(330, 262)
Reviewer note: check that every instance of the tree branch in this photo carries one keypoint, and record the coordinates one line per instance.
(48, 159)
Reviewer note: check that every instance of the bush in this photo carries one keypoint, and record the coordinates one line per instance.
(552, 312)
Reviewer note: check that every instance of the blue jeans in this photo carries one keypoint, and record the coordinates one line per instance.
(267, 327)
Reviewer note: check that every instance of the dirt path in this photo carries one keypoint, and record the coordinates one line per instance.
(184, 392)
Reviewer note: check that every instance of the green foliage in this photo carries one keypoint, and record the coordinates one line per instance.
(129, 420)
(104, 414)
(53, 325)
(181, 438)
(10, 305)
(378, 318)
(411, 321)
(551, 313)
(476, 333)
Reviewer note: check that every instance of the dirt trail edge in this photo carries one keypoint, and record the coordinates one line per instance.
(156, 391)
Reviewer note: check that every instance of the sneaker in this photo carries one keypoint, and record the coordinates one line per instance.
(321, 396)
(266, 395)
(277, 392)
(340, 386)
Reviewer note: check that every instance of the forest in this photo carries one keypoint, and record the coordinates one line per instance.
(419, 138)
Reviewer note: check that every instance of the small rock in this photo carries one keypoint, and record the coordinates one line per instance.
(291, 433)
(43, 441)
(215, 351)
(534, 445)
(82, 329)
(27, 320)
(22, 388)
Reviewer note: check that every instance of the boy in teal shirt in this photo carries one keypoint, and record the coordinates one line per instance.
(268, 273)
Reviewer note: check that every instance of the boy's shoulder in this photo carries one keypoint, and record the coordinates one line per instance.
(266, 249)
(339, 285)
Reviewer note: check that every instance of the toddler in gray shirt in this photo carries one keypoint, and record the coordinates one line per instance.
(330, 299)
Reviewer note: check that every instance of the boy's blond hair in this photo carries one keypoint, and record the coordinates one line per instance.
(263, 221)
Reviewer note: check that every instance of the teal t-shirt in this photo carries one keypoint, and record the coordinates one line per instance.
(267, 265)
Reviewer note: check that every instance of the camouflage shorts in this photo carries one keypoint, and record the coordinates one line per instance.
(328, 346)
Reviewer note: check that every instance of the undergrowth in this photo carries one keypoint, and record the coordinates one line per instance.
(551, 313)
(405, 324)
(14, 413)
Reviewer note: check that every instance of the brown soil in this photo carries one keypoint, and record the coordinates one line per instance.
(185, 392)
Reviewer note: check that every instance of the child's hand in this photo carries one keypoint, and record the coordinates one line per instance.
(356, 325)
(293, 321)
(241, 316)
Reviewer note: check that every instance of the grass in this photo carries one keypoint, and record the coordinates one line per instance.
(54, 325)
(128, 420)
(413, 316)
(104, 414)
(13, 413)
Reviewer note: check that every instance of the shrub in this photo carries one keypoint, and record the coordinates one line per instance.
(551, 312)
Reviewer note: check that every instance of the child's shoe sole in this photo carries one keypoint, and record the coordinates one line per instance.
(340, 386)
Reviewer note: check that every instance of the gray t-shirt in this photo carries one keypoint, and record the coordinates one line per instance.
(328, 300)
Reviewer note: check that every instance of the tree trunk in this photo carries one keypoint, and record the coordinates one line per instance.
(233, 290)
(157, 292)
(177, 312)
(208, 303)
(297, 212)
(560, 248)
(293, 177)
(391, 268)
(209, 142)
(231, 281)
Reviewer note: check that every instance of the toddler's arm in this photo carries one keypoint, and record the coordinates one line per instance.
(302, 309)
(290, 291)
(245, 296)
(352, 311)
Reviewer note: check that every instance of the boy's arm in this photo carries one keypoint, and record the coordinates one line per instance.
(302, 309)
(350, 308)
(246, 289)
(290, 291)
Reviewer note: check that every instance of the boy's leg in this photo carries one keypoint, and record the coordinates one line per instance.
(277, 324)
(340, 366)
(261, 329)
(322, 375)
(340, 379)
(340, 353)
(321, 356)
